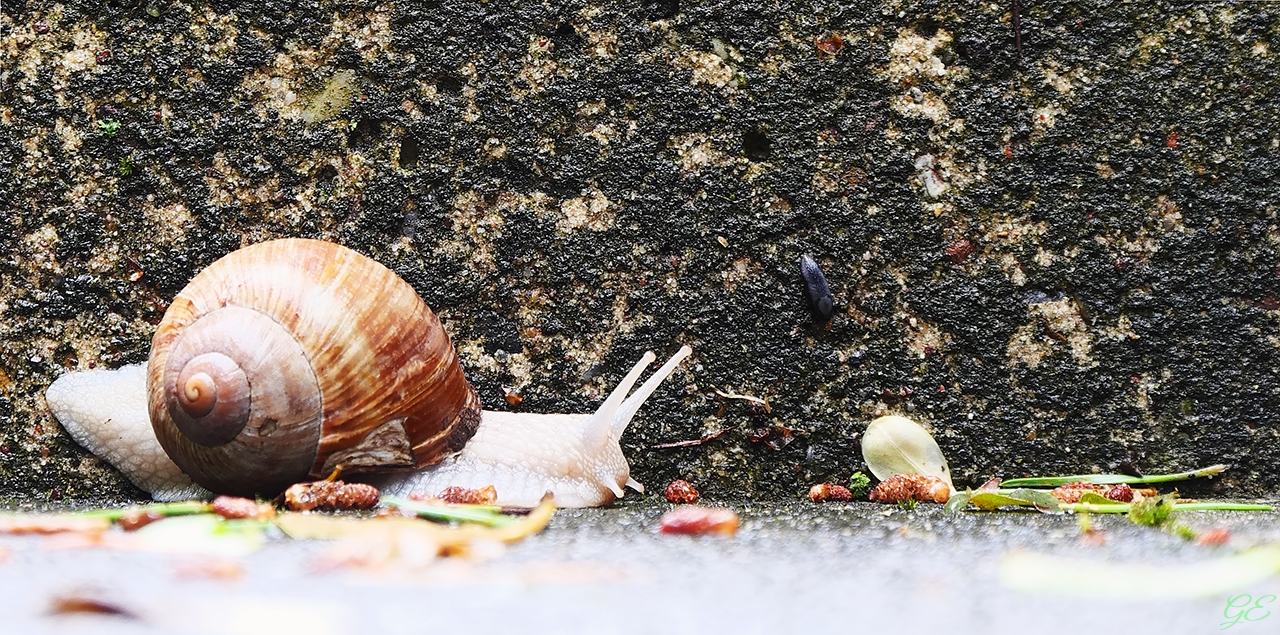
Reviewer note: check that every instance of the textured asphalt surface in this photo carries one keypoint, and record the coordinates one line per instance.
(796, 568)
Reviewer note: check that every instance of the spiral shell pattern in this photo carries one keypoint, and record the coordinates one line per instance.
(285, 360)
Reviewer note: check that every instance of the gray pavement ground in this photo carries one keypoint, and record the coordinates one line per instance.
(792, 568)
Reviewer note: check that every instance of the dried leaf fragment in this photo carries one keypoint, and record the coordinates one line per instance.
(330, 495)
(901, 487)
(824, 492)
(695, 519)
(51, 524)
(680, 491)
(87, 603)
(897, 445)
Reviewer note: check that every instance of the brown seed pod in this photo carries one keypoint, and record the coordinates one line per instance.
(682, 492)
(272, 367)
(900, 487)
(301, 497)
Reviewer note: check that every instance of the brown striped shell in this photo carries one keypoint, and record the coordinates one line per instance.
(287, 359)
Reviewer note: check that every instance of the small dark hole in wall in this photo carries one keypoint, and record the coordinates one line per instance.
(663, 9)
(449, 84)
(363, 133)
(756, 144)
(409, 152)
(566, 37)
(327, 173)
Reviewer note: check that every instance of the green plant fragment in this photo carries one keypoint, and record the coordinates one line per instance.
(958, 501)
(180, 508)
(990, 500)
(859, 484)
(483, 514)
(1155, 511)
(1112, 479)
(1094, 498)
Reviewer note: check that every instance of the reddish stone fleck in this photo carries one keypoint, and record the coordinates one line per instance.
(829, 43)
(959, 250)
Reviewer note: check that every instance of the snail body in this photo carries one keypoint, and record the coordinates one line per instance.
(288, 360)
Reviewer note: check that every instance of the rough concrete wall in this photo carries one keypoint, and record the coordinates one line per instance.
(1060, 260)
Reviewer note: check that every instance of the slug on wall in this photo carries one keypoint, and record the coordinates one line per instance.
(272, 367)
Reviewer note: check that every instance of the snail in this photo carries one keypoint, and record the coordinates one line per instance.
(288, 360)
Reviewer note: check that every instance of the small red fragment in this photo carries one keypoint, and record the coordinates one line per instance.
(900, 487)
(824, 492)
(1172, 141)
(104, 56)
(236, 507)
(1214, 537)
(681, 492)
(134, 521)
(40, 27)
(695, 519)
(511, 395)
(829, 43)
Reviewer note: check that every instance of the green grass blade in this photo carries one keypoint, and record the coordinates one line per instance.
(484, 515)
(180, 508)
(1111, 479)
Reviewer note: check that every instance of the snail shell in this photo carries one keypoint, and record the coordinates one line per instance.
(288, 359)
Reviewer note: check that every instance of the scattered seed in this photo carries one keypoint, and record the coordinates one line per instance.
(681, 492)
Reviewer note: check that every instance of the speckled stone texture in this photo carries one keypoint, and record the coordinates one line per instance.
(1061, 259)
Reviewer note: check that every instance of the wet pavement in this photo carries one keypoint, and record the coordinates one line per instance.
(792, 568)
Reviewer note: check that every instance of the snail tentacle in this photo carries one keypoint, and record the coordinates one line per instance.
(632, 404)
(597, 429)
